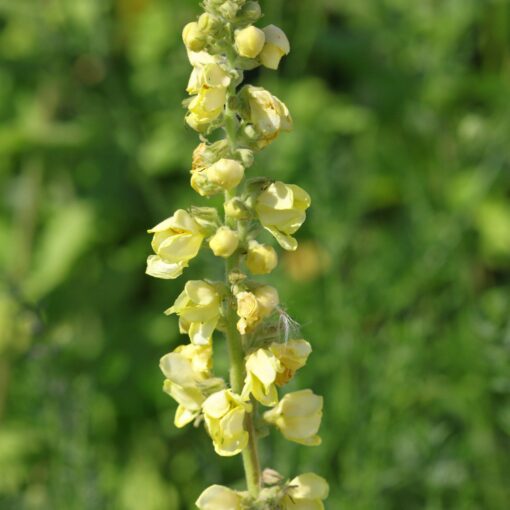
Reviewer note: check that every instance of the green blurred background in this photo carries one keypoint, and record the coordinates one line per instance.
(402, 130)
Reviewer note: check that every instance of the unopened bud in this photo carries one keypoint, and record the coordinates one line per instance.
(226, 173)
(267, 298)
(271, 477)
(246, 156)
(236, 209)
(193, 37)
(208, 24)
(261, 258)
(251, 11)
(250, 41)
(224, 242)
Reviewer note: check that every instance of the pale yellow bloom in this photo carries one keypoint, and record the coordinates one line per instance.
(306, 492)
(262, 368)
(193, 37)
(209, 80)
(254, 306)
(276, 46)
(224, 242)
(281, 210)
(188, 378)
(198, 308)
(267, 114)
(224, 413)
(206, 107)
(292, 355)
(274, 366)
(298, 416)
(176, 241)
(208, 71)
(218, 497)
(261, 258)
(249, 41)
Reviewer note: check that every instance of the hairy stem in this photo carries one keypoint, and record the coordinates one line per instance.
(237, 375)
(234, 340)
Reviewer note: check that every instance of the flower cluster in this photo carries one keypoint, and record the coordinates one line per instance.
(222, 44)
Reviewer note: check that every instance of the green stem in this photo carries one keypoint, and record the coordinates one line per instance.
(237, 375)
(234, 340)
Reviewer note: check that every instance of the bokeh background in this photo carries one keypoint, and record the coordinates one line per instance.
(401, 283)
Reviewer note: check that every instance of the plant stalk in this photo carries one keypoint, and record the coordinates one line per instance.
(234, 339)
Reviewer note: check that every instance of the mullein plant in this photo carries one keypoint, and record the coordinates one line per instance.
(234, 122)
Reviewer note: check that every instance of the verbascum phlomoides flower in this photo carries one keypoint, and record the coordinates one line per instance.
(265, 113)
(298, 416)
(254, 306)
(189, 380)
(198, 308)
(281, 208)
(218, 497)
(274, 366)
(176, 241)
(305, 492)
(224, 413)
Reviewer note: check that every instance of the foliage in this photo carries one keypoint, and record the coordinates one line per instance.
(401, 136)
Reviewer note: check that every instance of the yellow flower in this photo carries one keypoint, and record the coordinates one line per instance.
(208, 71)
(276, 46)
(281, 210)
(292, 356)
(209, 81)
(254, 306)
(261, 258)
(176, 241)
(306, 492)
(298, 416)
(224, 242)
(206, 107)
(267, 114)
(224, 413)
(262, 368)
(218, 497)
(188, 376)
(193, 37)
(249, 41)
(275, 366)
(198, 308)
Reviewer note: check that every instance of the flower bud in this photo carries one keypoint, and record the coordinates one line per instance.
(267, 298)
(236, 209)
(208, 24)
(251, 11)
(276, 46)
(193, 37)
(261, 258)
(229, 9)
(250, 41)
(246, 156)
(224, 242)
(226, 173)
